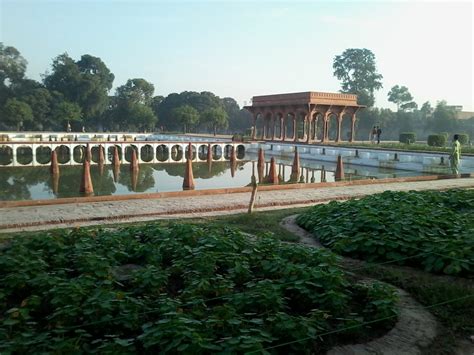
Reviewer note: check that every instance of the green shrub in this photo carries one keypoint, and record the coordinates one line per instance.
(431, 230)
(437, 140)
(446, 134)
(407, 137)
(463, 138)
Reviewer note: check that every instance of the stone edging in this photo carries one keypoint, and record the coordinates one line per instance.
(415, 329)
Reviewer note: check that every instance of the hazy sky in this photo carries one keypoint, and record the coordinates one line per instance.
(246, 48)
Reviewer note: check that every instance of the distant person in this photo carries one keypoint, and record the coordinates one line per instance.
(379, 132)
(83, 129)
(373, 133)
(68, 128)
(455, 156)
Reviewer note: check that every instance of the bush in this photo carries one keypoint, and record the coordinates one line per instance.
(463, 138)
(445, 134)
(437, 140)
(430, 230)
(407, 137)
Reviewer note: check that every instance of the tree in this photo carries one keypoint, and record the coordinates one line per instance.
(186, 116)
(132, 106)
(137, 91)
(12, 65)
(86, 83)
(357, 70)
(400, 96)
(444, 118)
(64, 111)
(17, 112)
(215, 118)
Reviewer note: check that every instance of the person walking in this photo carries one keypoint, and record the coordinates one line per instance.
(373, 133)
(455, 156)
(379, 132)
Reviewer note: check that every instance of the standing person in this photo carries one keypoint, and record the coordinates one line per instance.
(379, 132)
(68, 127)
(455, 156)
(373, 133)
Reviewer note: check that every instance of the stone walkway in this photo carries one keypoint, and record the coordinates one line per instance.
(14, 219)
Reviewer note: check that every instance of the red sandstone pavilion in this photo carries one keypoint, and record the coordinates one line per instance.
(310, 117)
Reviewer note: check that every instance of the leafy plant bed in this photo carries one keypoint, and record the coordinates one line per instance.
(430, 230)
(180, 288)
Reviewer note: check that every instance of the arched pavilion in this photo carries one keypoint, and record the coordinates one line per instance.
(308, 117)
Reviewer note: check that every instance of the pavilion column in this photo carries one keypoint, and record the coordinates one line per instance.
(339, 124)
(308, 137)
(295, 120)
(254, 133)
(325, 128)
(282, 128)
(284, 120)
(264, 130)
(353, 120)
(305, 127)
(273, 125)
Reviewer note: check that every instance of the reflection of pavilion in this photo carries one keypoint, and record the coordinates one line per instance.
(309, 116)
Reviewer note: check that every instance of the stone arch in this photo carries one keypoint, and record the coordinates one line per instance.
(95, 154)
(331, 126)
(346, 126)
(177, 152)
(111, 152)
(128, 152)
(202, 152)
(193, 151)
(146, 153)
(6, 155)
(319, 127)
(268, 126)
(278, 124)
(240, 152)
(162, 152)
(24, 155)
(63, 153)
(43, 155)
(289, 125)
(216, 152)
(259, 123)
(79, 153)
(227, 151)
(300, 125)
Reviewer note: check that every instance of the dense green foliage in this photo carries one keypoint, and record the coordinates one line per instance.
(430, 230)
(407, 137)
(78, 92)
(178, 288)
(437, 140)
(417, 147)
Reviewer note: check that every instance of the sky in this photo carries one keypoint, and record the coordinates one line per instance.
(245, 48)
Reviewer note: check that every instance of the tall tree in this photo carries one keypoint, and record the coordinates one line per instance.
(12, 65)
(400, 96)
(16, 113)
(186, 116)
(443, 119)
(85, 82)
(215, 118)
(132, 106)
(357, 70)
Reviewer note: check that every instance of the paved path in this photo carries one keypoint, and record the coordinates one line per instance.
(81, 214)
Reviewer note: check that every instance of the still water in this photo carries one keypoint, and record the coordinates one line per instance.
(34, 183)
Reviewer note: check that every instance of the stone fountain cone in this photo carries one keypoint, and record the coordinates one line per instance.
(188, 182)
(86, 181)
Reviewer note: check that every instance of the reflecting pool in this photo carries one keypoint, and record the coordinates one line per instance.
(34, 183)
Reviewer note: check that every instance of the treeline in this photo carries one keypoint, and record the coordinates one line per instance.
(356, 69)
(423, 122)
(77, 92)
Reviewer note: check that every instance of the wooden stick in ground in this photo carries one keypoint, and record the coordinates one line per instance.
(254, 193)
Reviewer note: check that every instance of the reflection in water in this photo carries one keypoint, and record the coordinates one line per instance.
(26, 183)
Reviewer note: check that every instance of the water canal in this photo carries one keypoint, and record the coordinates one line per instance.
(34, 183)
